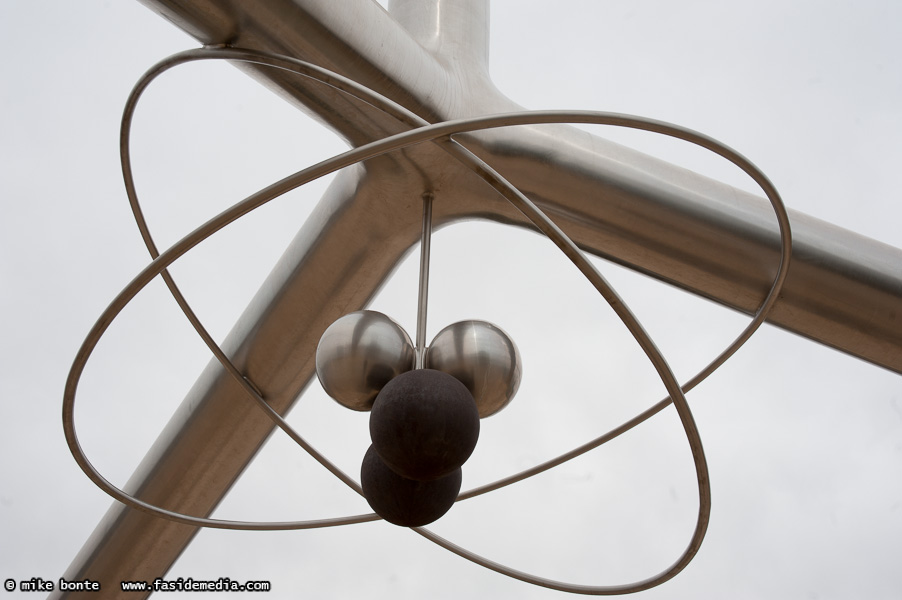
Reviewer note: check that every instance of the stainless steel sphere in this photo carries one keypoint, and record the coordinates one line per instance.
(482, 357)
(358, 354)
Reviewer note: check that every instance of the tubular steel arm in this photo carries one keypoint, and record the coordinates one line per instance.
(431, 57)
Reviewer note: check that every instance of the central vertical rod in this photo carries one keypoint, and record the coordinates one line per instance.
(423, 296)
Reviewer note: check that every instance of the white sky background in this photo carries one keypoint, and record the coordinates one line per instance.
(804, 444)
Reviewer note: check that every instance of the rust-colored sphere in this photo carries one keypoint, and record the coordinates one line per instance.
(402, 501)
(424, 424)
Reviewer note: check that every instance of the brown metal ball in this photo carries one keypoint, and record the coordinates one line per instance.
(406, 502)
(424, 424)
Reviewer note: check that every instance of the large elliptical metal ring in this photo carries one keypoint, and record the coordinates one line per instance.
(440, 134)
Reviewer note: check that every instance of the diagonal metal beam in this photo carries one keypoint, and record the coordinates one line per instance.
(843, 290)
(698, 234)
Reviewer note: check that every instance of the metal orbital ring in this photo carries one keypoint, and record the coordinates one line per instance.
(440, 134)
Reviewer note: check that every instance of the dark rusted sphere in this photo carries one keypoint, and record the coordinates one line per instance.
(424, 424)
(402, 501)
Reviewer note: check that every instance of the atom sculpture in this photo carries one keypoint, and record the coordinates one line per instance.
(401, 376)
(425, 421)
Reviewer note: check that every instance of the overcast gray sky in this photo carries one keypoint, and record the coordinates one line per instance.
(804, 444)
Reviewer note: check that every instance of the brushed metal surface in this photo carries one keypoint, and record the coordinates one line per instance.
(662, 220)
(360, 353)
(483, 357)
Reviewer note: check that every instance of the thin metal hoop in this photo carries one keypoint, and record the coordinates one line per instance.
(441, 134)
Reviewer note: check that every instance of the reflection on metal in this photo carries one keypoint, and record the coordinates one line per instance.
(429, 56)
(483, 357)
(358, 354)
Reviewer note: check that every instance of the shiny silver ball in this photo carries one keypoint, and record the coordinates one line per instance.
(482, 357)
(358, 354)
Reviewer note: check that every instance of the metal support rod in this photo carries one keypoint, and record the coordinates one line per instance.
(430, 56)
(423, 290)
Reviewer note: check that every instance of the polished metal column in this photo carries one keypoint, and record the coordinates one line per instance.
(431, 57)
